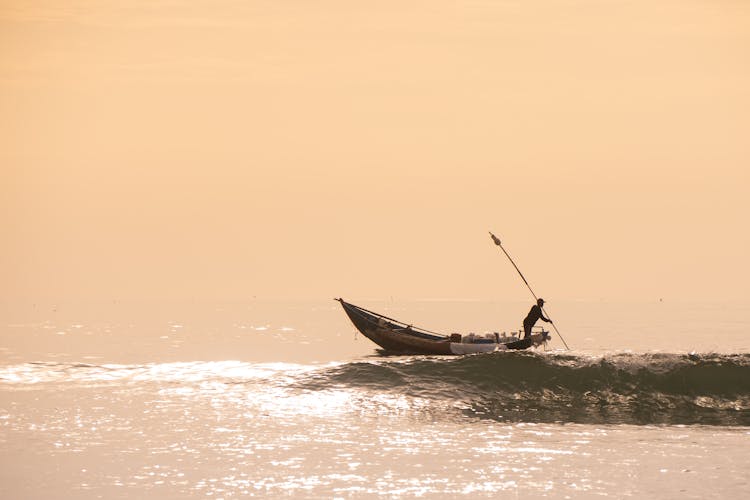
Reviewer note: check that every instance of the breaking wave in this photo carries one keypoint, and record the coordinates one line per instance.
(625, 388)
(711, 389)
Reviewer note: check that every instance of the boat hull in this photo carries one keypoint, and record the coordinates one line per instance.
(397, 337)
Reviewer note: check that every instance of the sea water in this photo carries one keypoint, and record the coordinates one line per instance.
(273, 399)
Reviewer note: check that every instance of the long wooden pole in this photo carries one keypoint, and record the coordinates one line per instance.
(498, 243)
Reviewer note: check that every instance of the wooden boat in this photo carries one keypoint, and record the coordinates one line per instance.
(398, 337)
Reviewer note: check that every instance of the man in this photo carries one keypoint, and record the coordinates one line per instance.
(534, 315)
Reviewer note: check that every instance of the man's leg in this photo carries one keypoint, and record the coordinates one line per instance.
(526, 330)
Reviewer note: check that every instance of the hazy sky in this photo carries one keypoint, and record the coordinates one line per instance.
(231, 149)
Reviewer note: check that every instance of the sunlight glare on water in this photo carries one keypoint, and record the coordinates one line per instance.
(205, 428)
(547, 424)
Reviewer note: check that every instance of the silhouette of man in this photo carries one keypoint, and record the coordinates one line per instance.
(534, 315)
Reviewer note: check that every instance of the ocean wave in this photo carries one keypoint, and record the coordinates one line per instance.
(31, 375)
(650, 388)
(630, 388)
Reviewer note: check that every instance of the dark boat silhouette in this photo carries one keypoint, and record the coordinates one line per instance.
(395, 336)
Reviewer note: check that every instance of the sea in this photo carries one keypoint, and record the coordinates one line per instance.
(278, 398)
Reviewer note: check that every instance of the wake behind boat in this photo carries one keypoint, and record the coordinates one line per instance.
(395, 336)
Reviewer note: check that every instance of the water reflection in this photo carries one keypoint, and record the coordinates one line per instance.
(225, 429)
